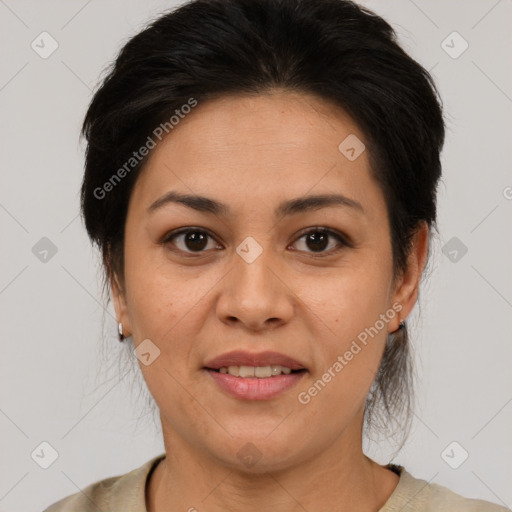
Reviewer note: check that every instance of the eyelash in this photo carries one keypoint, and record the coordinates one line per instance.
(342, 239)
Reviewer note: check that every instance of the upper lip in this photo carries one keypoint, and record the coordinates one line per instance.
(244, 358)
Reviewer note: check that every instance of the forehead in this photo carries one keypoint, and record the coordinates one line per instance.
(264, 147)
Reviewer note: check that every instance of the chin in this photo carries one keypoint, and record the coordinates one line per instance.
(259, 453)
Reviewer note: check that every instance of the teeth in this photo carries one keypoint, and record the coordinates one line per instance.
(261, 372)
(275, 369)
(234, 370)
(246, 371)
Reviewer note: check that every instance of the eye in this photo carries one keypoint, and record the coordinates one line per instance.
(321, 241)
(191, 240)
(318, 241)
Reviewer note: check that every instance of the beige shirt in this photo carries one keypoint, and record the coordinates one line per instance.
(126, 493)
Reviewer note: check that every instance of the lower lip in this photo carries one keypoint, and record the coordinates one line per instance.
(254, 388)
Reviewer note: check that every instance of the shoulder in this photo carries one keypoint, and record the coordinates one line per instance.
(417, 495)
(442, 497)
(115, 493)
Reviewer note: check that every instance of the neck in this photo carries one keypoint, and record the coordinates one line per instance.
(340, 477)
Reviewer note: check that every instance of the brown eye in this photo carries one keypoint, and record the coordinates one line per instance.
(192, 240)
(317, 241)
(320, 241)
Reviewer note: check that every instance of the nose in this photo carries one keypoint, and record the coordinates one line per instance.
(254, 295)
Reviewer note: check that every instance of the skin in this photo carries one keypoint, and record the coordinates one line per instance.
(252, 153)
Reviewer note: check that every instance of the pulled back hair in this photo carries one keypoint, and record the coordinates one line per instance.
(333, 49)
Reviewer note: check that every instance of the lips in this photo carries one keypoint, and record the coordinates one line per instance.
(244, 358)
(255, 376)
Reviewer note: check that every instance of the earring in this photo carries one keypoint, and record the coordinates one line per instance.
(120, 331)
(401, 326)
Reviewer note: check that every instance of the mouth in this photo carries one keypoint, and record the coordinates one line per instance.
(258, 372)
(251, 376)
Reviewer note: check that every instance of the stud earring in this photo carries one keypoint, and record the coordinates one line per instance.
(401, 326)
(120, 331)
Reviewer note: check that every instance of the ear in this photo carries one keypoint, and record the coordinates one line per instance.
(407, 286)
(120, 305)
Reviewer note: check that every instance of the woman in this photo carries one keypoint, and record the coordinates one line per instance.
(261, 181)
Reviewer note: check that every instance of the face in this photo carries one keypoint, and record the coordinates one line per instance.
(252, 240)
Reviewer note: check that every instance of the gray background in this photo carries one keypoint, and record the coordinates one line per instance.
(60, 371)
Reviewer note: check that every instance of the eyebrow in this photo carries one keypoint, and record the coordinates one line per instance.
(289, 207)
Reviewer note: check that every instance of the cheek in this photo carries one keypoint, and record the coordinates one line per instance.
(154, 305)
(347, 306)
(347, 300)
(161, 298)
(169, 308)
